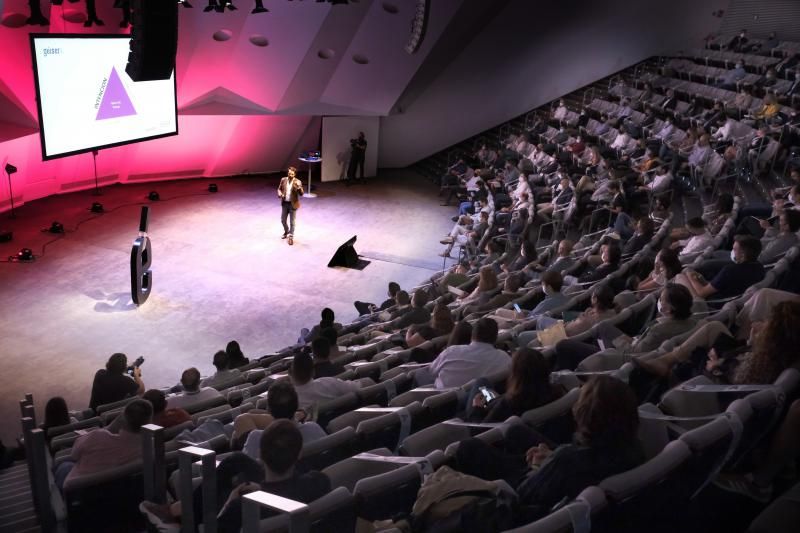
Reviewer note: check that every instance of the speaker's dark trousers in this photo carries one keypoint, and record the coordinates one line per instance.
(287, 211)
(356, 163)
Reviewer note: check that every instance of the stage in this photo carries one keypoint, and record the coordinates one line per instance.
(220, 272)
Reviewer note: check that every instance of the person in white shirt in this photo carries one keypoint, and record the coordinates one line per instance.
(561, 111)
(621, 141)
(660, 182)
(282, 403)
(699, 241)
(192, 392)
(312, 391)
(724, 133)
(460, 364)
(701, 151)
(223, 373)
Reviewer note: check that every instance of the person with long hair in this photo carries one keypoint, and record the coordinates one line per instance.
(527, 387)
(235, 356)
(666, 267)
(773, 349)
(487, 283)
(605, 443)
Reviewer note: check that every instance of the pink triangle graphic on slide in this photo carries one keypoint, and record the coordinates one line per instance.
(116, 102)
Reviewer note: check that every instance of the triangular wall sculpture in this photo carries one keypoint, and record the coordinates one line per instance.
(222, 101)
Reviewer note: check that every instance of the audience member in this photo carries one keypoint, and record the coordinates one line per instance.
(224, 373)
(310, 391)
(111, 384)
(323, 366)
(161, 415)
(365, 308)
(239, 474)
(734, 278)
(101, 450)
(282, 404)
(236, 358)
(527, 387)
(457, 365)
(192, 392)
(605, 443)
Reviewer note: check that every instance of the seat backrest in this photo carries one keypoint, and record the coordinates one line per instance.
(385, 495)
(573, 517)
(711, 449)
(328, 450)
(347, 472)
(336, 511)
(329, 410)
(647, 494)
(436, 437)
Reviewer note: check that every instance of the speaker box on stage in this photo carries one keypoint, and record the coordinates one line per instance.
(154, 40)
(347, 257)
(5, 236)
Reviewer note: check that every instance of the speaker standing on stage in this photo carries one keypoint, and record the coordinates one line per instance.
(289, 191)
(359, 149)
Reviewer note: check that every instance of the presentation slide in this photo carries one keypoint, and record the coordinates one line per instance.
(86, 99)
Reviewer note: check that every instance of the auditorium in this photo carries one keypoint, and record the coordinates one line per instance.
(362, 266)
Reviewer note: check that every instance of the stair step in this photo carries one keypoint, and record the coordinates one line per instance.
(12, 508)
(21, 525)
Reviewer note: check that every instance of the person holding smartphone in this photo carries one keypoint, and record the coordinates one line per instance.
(527, 387)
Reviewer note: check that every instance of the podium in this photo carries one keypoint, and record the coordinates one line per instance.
(310, 161)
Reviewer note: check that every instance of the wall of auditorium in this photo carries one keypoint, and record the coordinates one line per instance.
(251, 88)
(526, 57)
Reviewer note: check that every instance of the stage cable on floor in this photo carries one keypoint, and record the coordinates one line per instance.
(34, 257)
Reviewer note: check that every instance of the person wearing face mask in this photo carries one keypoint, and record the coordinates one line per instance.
(738, 43)
(788, 226)
(732, 77)
(674, 318)
(601, 308)
(734, 278)
(553, 298)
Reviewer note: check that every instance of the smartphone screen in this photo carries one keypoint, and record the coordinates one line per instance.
(517, 308)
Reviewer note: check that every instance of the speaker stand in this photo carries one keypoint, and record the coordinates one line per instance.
(96, 184)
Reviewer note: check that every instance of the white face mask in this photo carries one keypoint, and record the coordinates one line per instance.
(733, 256)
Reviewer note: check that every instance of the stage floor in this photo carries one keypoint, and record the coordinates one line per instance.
(220, 272)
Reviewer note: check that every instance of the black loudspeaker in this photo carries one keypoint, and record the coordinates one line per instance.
(154, 40)
(6, 236)
(346, 255)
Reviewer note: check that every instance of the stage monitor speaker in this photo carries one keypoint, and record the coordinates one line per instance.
(154, 40)
(346, 255)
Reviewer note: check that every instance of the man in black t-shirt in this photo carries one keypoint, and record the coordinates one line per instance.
(357, 155)
(111, 384)
(733, 279)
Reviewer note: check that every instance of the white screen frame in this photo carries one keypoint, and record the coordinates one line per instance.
(46, 156)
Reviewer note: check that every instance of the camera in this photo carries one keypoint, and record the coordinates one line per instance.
(353, 142)
(136, 364)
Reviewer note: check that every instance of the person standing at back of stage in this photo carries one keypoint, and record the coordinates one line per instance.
(357, 155)
(289, 191)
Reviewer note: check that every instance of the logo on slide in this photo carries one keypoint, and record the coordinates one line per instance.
(116, 102)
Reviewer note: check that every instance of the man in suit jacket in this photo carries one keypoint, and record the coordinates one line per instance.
(289, 191)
